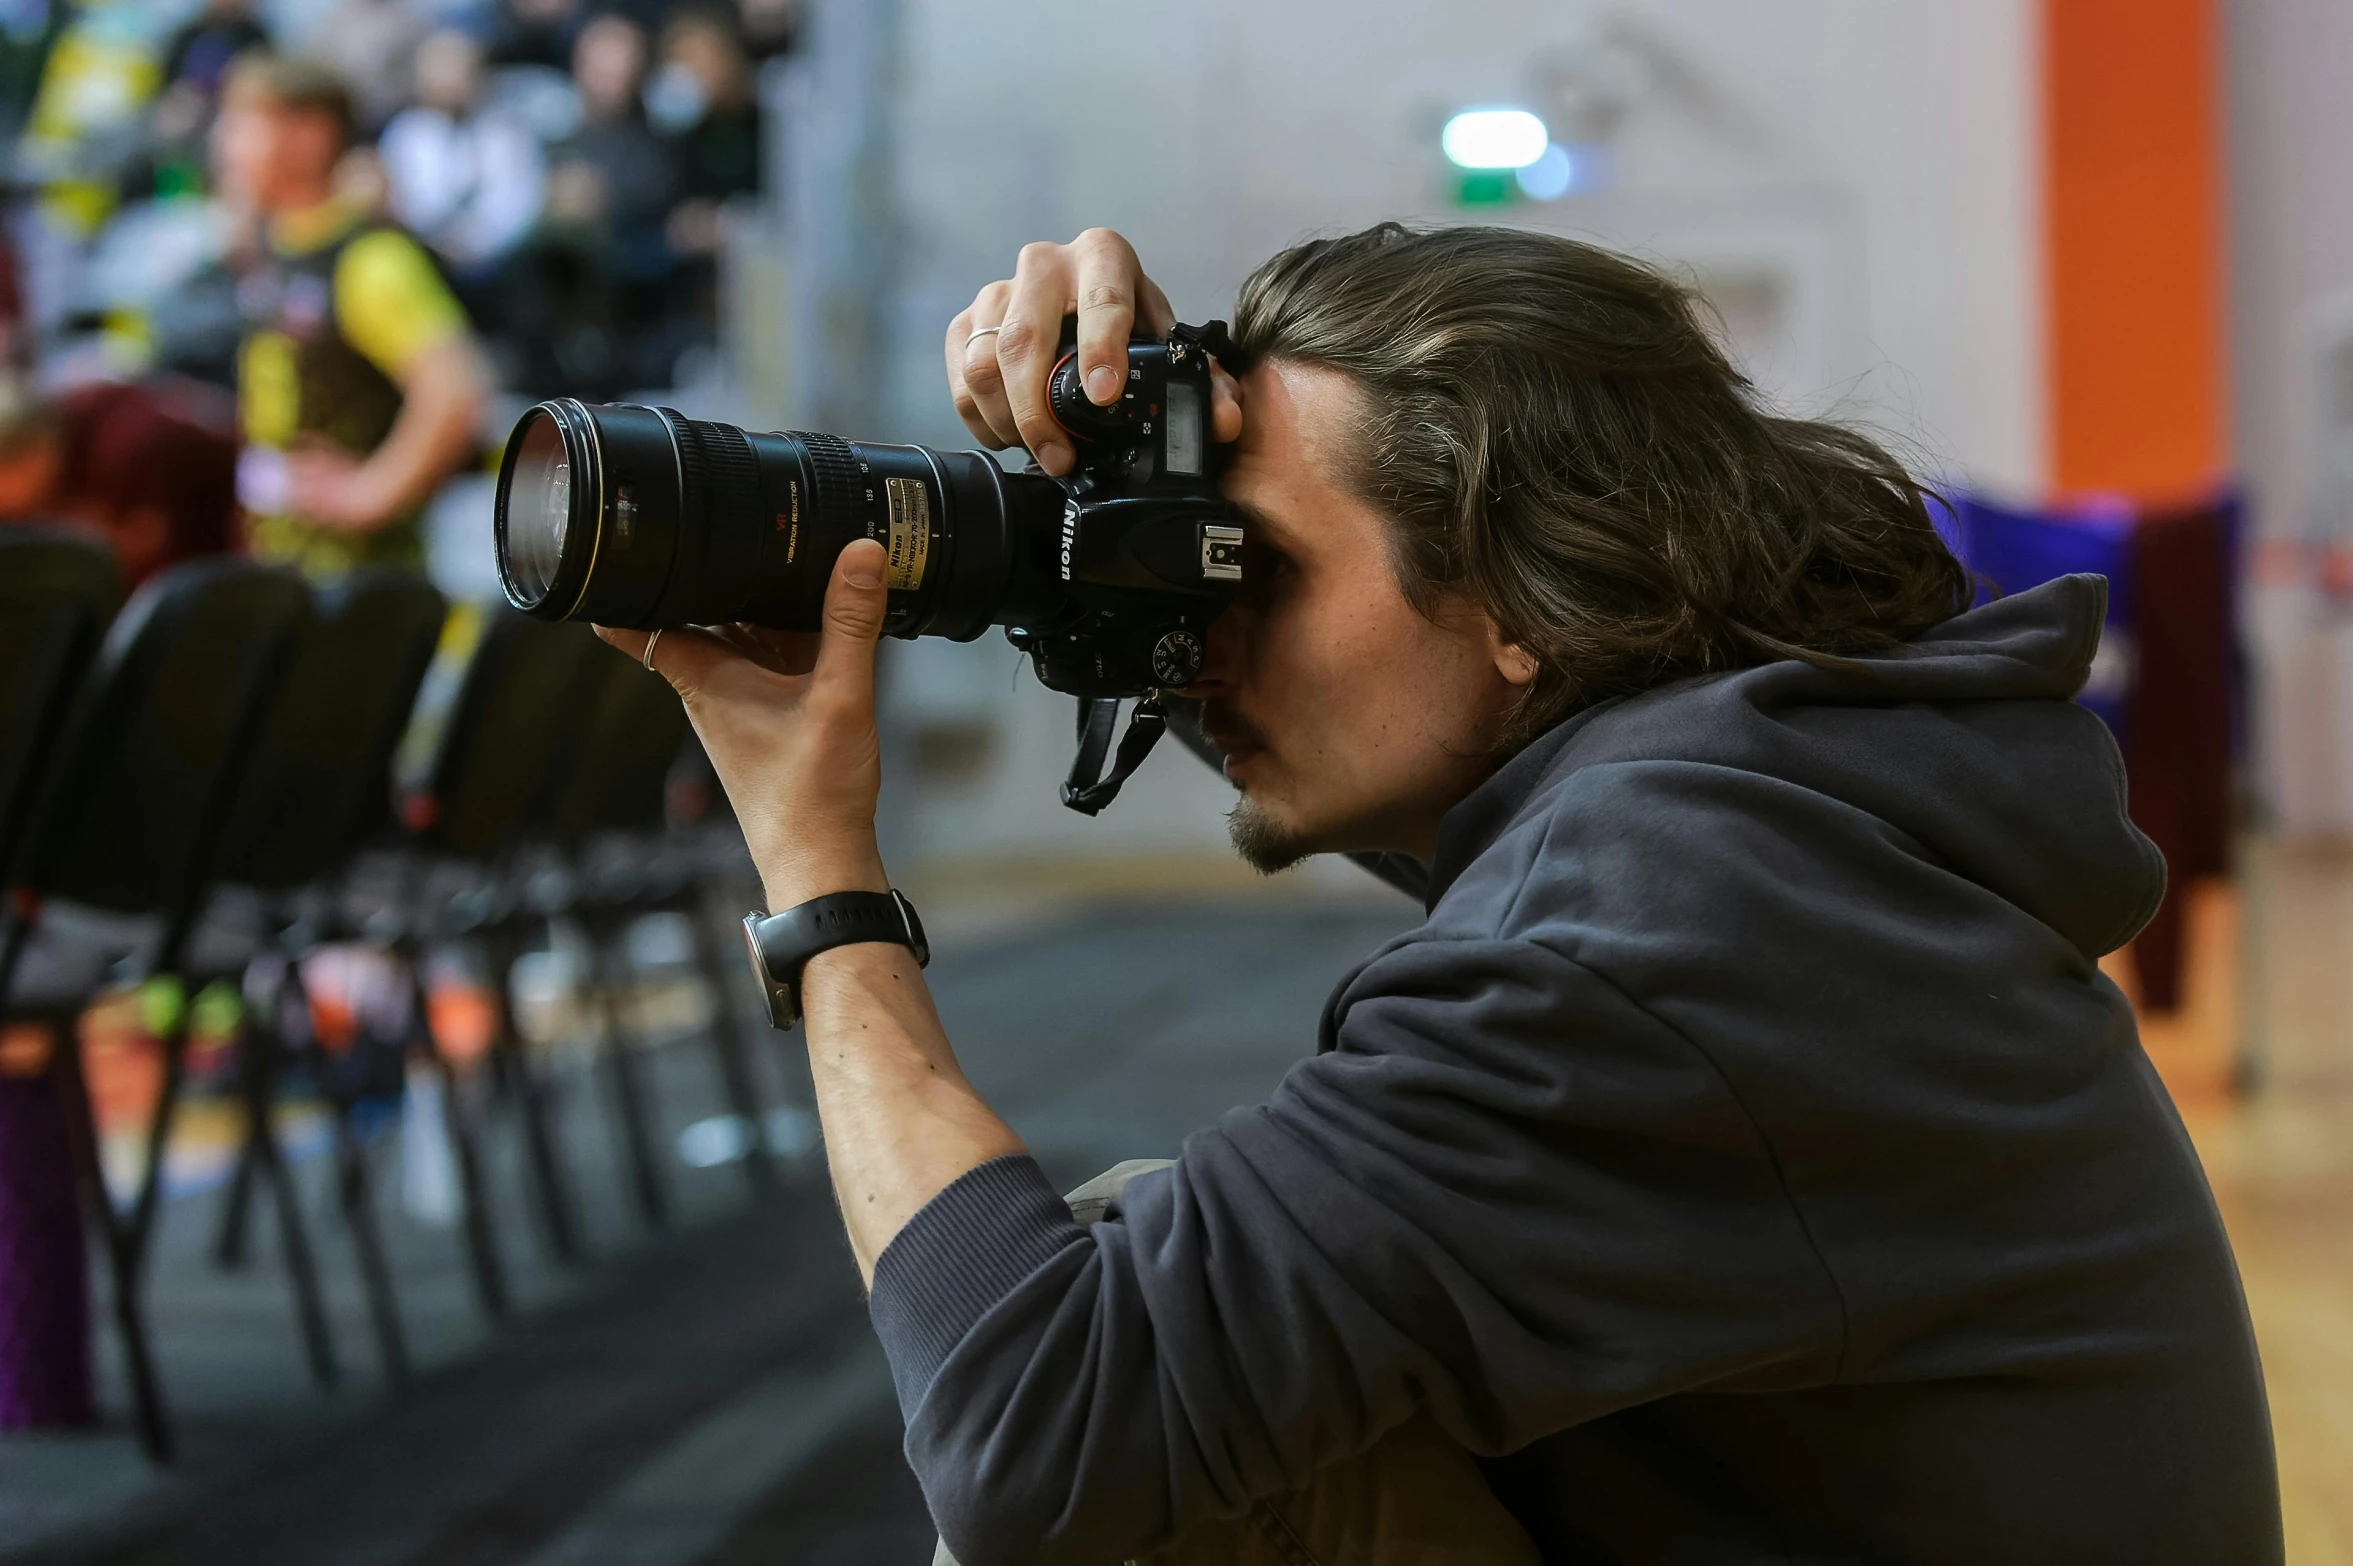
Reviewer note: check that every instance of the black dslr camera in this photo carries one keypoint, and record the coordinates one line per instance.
(1108, 579)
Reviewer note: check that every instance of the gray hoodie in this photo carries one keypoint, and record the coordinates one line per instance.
(1746, 1158)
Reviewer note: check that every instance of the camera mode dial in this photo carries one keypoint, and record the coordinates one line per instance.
(1176, 660)
(1078, 413)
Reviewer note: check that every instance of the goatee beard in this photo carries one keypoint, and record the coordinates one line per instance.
(1265, 845)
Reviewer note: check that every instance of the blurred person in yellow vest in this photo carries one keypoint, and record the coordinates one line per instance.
(359, 387)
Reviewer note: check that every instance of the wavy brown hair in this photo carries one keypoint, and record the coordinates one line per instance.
(1551, 430)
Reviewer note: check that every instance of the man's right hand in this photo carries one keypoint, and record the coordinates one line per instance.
(1001, 348)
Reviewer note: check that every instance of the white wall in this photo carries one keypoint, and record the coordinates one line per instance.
(2291, 144)
(1880, 155)
(2291, 260)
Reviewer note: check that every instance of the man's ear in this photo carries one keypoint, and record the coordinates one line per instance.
(1515, 663)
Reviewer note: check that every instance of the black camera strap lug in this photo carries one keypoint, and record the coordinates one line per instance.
(1088, 789)
(1213, 338)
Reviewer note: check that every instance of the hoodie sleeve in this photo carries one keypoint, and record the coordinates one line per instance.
(1502, 1194)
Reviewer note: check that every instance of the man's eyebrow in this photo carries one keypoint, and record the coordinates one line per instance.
(1256, 519)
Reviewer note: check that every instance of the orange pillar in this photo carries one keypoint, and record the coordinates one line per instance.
(2133, 212)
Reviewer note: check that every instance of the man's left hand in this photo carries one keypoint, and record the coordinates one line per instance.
(788, 721)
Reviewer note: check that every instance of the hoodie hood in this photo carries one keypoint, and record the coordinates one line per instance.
(1966, 740)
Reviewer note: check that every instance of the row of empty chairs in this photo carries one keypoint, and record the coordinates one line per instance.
(200, 786)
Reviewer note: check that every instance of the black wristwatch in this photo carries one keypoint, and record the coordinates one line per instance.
(781, 944)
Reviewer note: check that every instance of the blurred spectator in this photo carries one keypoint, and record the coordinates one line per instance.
(27, 29)
(200, 54)
(614, 174)
(193, 65)
(196, 61)
(359, 387)
(88, 119)
(372, 45)
(465, 179)
(702, 99)
(537, 32)
(135, 464)
(605, 266)
(769, 27)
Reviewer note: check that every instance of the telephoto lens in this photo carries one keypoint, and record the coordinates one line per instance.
(640, 517)
(1108, 578)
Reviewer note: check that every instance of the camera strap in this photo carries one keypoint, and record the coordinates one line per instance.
(1088, 789)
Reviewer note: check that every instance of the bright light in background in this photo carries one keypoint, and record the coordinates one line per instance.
(1552, 176)
(723, 1139)
(1494, 139)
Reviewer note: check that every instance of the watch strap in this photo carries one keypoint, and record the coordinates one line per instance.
(781, 944)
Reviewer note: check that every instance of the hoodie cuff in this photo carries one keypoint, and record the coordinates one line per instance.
(963, 1251)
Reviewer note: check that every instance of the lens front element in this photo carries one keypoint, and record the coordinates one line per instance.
(535, 512)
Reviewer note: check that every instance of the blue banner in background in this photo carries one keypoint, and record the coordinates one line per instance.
(2010, 548)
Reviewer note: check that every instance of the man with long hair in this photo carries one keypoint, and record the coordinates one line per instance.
(1744, 1161)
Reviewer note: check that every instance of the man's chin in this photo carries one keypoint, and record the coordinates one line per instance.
(1265, 844)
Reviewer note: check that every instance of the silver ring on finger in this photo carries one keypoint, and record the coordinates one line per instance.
(647, 657)
(986, 331)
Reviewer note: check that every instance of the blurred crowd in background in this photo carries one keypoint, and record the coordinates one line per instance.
(274, 270)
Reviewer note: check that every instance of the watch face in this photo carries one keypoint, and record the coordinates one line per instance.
(916, 941)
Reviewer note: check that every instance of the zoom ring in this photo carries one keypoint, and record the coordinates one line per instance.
(840, 488)
(718, 466)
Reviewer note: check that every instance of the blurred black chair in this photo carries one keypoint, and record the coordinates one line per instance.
(484, 770)
(317, 791)
(610, 816)
(57, 591)
(130, 821)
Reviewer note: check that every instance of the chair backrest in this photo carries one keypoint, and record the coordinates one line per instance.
(320, 780)
(57, 591)
(516, 720)
(618, 779)
(134, 811)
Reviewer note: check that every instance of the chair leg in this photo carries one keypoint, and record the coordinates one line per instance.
(147, 1406)
(134, 1231)
(727, 1048)
(490, 1287)
(257, 1056)
(367, 1242)
(230, 1238)
(640, 1167)
(550, 1185)
(16, 930)
(354, 1196)
(174, 1048)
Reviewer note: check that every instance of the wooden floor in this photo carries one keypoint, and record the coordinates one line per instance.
(2280, 1154)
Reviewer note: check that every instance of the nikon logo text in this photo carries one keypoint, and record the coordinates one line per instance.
(1069, 534)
